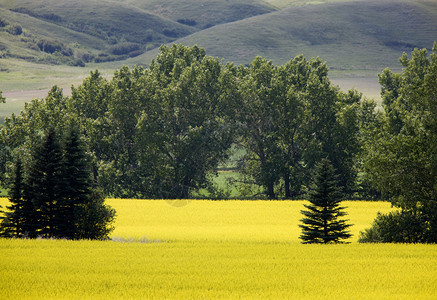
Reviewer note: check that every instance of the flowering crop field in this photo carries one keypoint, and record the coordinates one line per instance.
(216, 249)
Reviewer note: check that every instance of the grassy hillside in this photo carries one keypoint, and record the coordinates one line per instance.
(79, 31)
(203, 14)
(46, 42)
(86, 30)
(360, 37)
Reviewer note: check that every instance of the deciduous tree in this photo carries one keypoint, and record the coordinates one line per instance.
(401, 157)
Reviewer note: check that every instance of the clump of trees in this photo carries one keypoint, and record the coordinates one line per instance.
(400, 157)
(321, 223)
(290, 117)
(162, 132)
(51, 194)
(124, 48)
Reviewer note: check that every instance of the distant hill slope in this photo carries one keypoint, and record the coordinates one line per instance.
(83, 31)
(357, 36)
(204, 13)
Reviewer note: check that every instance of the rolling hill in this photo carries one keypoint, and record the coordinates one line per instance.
(45, 42)
(359, 37)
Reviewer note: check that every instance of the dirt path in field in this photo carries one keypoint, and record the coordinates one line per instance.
(368, 86)
(30, 94)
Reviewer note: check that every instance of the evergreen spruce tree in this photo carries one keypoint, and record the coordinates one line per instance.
(83, 214)
(12, 226)
(56, 199)
(77, 189)
(321, 223)
(22, 218)
(45, 184)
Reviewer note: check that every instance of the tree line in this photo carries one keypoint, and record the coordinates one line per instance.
(163, 131)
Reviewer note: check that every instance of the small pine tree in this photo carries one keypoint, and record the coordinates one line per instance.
(12, 226)
(321, 224)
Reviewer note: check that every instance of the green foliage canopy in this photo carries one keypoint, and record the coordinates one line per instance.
(401, 157)
(162, 132)
(291, 116)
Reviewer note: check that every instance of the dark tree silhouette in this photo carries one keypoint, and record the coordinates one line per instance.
(321, 223)
(56, 199)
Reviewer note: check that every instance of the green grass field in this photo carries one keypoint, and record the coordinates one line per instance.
(216, 250)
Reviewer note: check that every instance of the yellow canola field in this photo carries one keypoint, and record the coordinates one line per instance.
(190, 220)
(216, 249)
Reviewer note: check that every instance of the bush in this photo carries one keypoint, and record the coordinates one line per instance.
(85, 56)
(76, 62)
(189, 22)
(3, 23)
(136, 53)
(395, 227)
(49, 46)
(124, 48)
(15, 29)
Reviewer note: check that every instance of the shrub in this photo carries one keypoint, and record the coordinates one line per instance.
(136, 53)
(124, 48)
(395, 227)
(189, 22)
(76, 62)
(49, 46)
(15, 29)
(3, 23)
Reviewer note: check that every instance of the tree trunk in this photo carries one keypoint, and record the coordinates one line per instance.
(287, 186)
(271, 191)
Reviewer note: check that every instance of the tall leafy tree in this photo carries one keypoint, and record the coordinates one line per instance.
(256, 112)
(22, 132)
(182, 134)
(162, 131)
(401, 158)
(89, 104)
(321, 223)
(291, 116)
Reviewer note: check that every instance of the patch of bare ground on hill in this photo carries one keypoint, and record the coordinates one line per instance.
(368, 86)
(30, 94)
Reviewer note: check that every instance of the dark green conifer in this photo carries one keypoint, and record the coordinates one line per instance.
(45, 184)
(56, 199)
(77, 189)
(83, 214)
(12, 226)
(22, 218)
(321, 223)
